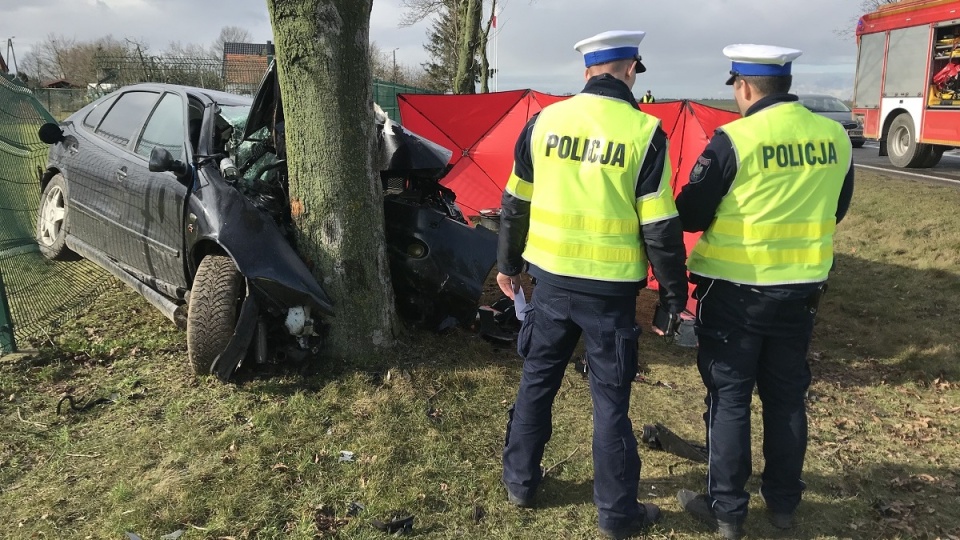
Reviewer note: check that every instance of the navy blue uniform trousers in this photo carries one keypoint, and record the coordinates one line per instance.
(749, 339)
(554, 322)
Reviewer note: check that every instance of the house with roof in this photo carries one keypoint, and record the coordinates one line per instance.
(244, 65)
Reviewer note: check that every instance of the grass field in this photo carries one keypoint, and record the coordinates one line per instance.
(261, 459)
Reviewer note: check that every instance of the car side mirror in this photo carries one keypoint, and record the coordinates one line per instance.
(50, 133)
(162, 161)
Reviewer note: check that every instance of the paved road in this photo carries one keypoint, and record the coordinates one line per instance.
(946, 172)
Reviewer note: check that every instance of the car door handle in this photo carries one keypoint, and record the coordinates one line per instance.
(122, 174)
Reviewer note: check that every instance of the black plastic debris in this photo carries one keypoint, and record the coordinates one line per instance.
(399, 524)
(81, 407)
(659, 437)
(478, 513)
(355, 508)
(506, 313)
(489, 329)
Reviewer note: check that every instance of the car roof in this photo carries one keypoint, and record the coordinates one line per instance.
(818, 96)
(223, 98)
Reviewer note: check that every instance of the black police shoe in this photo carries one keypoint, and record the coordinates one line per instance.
(699, 506)
(522, 502)
(780, 520)
(649, 514)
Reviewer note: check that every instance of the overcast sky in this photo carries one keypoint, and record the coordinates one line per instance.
(682, 50)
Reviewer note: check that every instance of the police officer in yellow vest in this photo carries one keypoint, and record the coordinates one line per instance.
(768, 192)
(648, 98)
(600, 208)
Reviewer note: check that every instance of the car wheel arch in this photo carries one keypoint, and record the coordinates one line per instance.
(202, 248)
(48, 175)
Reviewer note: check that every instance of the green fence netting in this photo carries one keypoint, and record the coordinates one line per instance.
(40, 293)
(385, 95)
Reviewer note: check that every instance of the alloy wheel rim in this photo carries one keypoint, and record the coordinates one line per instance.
(52, 215)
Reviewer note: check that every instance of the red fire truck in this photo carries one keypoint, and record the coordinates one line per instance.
(907, 93)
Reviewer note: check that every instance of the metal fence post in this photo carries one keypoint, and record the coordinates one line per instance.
(7, 343)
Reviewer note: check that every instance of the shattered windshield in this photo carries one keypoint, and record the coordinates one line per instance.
(235, 118)
(256, 155)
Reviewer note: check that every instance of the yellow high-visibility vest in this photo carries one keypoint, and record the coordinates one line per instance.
(585, 216)
(775, 226)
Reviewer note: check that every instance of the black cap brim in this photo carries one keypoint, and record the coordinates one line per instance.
(640, 67)
(733, 78)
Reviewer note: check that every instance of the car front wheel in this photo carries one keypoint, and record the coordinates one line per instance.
(53, 221)
(215, 301)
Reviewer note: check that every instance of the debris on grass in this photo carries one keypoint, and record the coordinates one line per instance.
(399, 523)
(327, 521)
(346, 456)
(81, 407)
(355, 508)
(434, 414)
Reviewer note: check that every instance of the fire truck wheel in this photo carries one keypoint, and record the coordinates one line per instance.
(936, 153)
(902, 145)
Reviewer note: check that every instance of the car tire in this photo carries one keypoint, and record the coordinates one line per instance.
(902, 146)
(857, 144)
(53, 221)
(215, 301)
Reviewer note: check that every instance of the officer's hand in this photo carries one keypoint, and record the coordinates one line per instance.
(508, 284)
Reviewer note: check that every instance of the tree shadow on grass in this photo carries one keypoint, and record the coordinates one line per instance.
(881, 500)
(882, 323)
(879, 323)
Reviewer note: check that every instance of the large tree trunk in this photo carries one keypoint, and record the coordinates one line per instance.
(335, 192)
(465, 80)
(482, 49)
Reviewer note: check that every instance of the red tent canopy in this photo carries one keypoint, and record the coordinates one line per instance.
(481, 131)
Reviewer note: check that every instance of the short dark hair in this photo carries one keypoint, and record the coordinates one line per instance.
(614, 65)
(768, 85)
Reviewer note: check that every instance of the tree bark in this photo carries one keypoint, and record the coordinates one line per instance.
(465, 81)
(484, 58)
(322, 51)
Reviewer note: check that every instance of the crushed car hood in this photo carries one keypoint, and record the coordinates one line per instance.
(401, 150)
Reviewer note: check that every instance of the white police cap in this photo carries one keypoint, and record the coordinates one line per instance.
(613, 45)
(759, 60)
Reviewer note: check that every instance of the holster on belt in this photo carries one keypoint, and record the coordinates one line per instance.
(813, 301)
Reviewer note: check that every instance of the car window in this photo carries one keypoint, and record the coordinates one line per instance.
(835, 105)
(96, 114)
(824, 104)
(126, 116)
(165, 128)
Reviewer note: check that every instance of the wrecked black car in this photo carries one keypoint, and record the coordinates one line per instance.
(438, 262)
(180, 192)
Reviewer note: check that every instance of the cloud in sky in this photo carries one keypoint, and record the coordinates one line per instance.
(535, 41)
